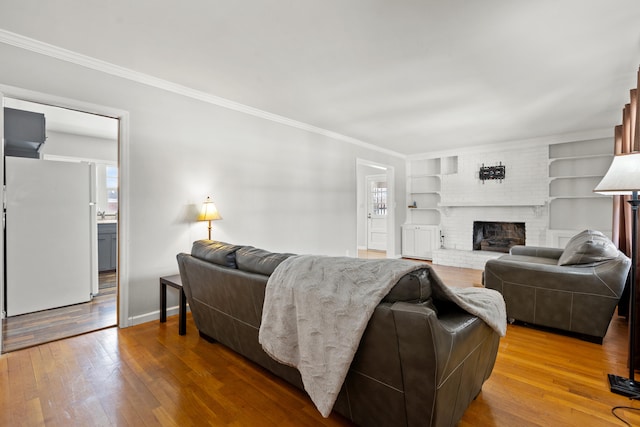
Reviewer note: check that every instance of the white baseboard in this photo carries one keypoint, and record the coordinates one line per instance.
(153, 316)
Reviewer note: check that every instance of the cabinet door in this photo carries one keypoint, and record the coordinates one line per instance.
(114, 252)
(408, 241)
(424, 242)
(104, 252)
(419, 240)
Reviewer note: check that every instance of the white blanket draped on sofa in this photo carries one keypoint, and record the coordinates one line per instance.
(316, 309)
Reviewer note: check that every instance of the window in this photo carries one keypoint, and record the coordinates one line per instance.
(379, 198)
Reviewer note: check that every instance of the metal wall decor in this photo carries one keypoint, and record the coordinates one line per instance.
(492, 172)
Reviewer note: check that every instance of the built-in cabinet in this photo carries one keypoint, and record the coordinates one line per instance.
(575, 168)
(419, 241)
(420, 234)
(107, 246)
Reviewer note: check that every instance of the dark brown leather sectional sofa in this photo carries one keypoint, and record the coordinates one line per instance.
(420, 362)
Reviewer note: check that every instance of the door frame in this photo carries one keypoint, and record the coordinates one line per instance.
(391, 201)
(123, 186)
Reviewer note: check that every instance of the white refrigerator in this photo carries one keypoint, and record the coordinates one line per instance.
(50, 234)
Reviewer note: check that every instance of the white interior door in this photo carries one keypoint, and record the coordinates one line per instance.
(48, 234)
(377, 212)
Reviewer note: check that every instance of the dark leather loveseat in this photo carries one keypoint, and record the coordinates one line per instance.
(420, 362)
(575, 289)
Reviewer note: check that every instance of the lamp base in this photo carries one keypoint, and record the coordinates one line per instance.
(624, 386)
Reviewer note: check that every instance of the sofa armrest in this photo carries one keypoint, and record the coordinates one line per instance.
(606, 279)
(446, 356)
(536, 251)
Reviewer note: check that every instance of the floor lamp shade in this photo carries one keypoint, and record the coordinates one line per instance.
(209, 212)
(623, 178)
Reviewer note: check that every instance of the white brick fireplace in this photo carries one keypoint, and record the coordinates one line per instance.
(521, 197)
(457, 229)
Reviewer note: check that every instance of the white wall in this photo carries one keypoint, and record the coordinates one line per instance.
(277, 187)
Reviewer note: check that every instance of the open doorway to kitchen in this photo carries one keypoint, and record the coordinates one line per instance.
(61, 221)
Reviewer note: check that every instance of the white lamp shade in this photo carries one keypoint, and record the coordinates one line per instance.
(623, 176)
(209, 211)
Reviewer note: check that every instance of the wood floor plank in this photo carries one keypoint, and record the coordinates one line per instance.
(31, 329)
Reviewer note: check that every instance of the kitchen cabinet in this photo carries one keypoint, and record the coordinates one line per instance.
(107, 246)
(24, 133)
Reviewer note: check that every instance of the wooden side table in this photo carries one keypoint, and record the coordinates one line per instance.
(175, 282)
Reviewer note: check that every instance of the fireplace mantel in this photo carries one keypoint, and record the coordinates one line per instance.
(537, 206)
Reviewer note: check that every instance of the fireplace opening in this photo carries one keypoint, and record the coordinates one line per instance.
(497, 236)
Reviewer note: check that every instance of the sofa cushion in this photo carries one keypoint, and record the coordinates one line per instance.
(588, 247)
(580, 236)
(220, 253)
(414, 286)
(259, 261)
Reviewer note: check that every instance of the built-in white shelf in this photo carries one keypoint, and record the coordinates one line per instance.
(425, 175)
(575, 169)
(588, 156)
(553, 178)
(595, 196)
(490, 204)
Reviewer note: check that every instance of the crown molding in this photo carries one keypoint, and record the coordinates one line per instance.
(518, 145)
(33, 45)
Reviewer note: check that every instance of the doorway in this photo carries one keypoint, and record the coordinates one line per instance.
(86, 144)
(375, 209)
(376, 212)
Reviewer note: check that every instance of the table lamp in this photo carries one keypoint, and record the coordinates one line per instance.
(209, 212)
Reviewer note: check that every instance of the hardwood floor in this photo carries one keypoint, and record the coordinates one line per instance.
(148, 375)
(368, 254)
(40, 327)
(456, 276)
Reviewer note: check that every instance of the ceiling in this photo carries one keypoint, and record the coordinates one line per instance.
(411, 76)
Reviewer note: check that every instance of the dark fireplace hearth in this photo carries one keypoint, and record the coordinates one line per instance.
(497, 236)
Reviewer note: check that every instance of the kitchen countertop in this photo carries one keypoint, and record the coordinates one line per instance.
(107, 221)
